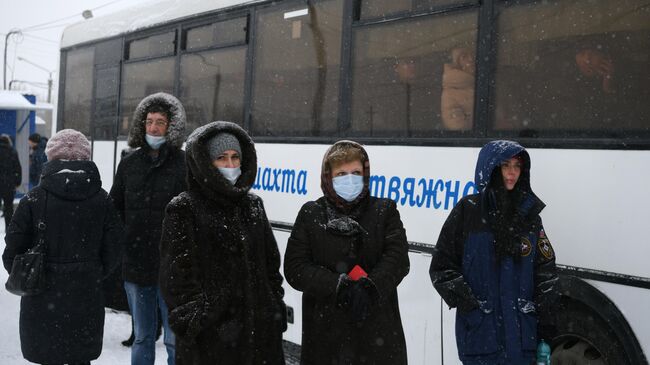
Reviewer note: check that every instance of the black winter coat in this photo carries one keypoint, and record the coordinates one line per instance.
(313, 262)
(220, 264)
(37, 160)
(10, 171)
(143, 186)
(141, 190)
(66, 322)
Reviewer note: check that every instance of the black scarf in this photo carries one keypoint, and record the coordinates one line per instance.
(506, 220)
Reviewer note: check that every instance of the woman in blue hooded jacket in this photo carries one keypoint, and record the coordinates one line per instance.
(494, 262)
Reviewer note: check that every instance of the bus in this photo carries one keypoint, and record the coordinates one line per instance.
(423, 84)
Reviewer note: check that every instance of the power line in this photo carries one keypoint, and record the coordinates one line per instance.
(32, 27)
(41, 38)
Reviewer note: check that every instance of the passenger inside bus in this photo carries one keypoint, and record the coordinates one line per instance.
(457, 100)
(590, 83)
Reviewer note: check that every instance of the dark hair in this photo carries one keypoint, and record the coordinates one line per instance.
(34, 137)
(158, 108)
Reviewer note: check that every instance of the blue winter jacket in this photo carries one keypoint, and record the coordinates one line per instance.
(498, 299)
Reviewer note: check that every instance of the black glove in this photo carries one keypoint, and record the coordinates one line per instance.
(360, 300)
(468, 304)
(343, 291)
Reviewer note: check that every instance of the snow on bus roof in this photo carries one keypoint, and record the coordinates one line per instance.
(140, 17)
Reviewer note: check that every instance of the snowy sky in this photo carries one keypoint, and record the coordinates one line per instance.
(42, 22)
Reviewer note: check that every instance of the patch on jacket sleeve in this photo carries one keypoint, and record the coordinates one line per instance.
(526, 247)
(544, 245)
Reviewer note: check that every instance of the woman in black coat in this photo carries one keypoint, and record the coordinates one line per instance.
(65, 323)
(334, 241)
(219, 271)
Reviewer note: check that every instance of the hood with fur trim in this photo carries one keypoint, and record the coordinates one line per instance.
(201, 175)
(175, 131)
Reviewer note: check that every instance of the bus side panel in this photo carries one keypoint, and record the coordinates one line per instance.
(103, 158)
(420, 311)
(633, 304)
(292, 298)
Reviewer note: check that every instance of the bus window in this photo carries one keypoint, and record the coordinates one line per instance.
(296, 70)
(78, 89)
(400, 68)
(105, 109)
(140, 79)
(576, 67)
(218, 34)
(108, 52)
(212, 85)
(383, 8)
(157, 45)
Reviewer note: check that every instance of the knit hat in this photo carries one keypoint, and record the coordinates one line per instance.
(223, 142)
(68, 144)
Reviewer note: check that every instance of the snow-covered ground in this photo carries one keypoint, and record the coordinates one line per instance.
(116, 329)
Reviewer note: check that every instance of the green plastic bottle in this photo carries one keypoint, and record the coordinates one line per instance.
(543, 353)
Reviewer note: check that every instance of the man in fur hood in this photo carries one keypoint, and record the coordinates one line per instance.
(146, 180)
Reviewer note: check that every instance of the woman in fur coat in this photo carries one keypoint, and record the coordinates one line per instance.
(219, 271)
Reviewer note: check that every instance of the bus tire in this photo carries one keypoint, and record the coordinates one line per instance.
(587, 323)
(584, 338)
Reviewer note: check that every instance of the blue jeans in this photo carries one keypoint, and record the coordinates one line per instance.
(144, 302)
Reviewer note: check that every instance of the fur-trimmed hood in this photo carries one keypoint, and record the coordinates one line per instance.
(206, 178)
(175, 131)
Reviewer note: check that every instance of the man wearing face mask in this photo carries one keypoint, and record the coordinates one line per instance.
(347, 254)
(220, 264)
(146, 180)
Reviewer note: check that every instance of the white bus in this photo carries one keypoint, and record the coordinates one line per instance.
(423, 84)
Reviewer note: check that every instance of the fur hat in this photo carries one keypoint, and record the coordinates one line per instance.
(68, 144)
(223, 142)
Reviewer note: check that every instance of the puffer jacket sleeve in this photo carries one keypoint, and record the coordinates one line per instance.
(446, 264)
(191, 309)
(393, 265)
(112, 238)
(546, 294)
(19, 237)
(299, 269)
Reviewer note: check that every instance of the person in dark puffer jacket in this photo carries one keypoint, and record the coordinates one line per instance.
(146, 180)
(494, 262)
(220, 263)
(65, 323)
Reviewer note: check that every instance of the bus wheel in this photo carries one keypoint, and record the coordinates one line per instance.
(584, 338)
(576, 351)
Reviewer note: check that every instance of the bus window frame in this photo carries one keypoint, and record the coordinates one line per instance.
(219, 18)
(479, 124)
(148, 34)
(484, 110)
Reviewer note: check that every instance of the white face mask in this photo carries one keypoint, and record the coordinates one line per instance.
(230, 173)
(155, 141)
(348, 186)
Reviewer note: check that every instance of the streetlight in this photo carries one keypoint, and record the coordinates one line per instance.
(4, 76)
(49, 81)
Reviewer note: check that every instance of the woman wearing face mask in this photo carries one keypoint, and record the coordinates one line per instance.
(347, 253)
(219, 271)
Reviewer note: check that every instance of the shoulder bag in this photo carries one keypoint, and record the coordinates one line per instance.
(28, 269)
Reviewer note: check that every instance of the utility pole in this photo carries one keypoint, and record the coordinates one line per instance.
(49, 80)
(4, 77)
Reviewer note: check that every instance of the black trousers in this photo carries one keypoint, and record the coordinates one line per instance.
(8, 205)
